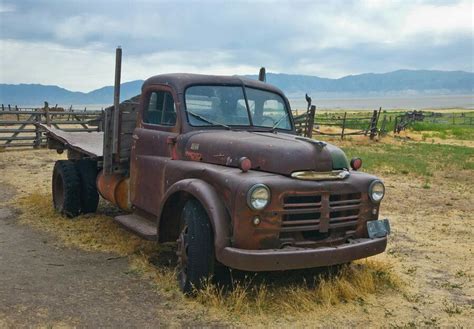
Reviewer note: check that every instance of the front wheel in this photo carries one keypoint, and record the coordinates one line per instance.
(195, 248)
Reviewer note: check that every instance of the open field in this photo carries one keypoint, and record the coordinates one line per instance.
(425, 279)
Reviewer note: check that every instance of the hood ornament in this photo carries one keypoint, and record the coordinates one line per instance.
(319, 144)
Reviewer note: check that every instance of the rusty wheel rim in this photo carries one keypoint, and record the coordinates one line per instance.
(182, 253)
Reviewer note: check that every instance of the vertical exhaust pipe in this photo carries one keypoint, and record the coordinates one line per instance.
(118, 69)
(262, 75)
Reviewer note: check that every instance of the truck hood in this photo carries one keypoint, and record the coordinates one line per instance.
(271, 152)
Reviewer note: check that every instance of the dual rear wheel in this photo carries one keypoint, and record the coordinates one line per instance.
(74, 187)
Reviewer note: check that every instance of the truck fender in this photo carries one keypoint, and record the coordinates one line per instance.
(213, 205)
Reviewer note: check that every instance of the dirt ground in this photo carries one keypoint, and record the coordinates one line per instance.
(44, 283)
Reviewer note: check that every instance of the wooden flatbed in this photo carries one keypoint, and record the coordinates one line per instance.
(88, 143)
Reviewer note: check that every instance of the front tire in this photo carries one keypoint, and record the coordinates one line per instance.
(66, 188)
(195, 248)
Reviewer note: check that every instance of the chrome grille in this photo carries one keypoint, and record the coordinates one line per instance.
(320, 213)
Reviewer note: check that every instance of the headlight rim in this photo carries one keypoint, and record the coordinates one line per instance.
(252, 190)
(371, 188)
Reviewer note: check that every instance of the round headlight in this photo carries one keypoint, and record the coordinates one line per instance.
(376, 191)
(258, 197)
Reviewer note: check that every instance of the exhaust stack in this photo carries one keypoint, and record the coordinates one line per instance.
(262, 75)
(118, 69)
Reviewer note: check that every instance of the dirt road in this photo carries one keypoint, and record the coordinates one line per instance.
(45, 284)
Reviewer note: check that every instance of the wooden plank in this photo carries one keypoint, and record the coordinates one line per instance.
(14, 130)
(13, 122)
(38, 132)
(79, 129)
(128, 127)
(86, 143)
(17, 145)
(20, 138)
(125, 144)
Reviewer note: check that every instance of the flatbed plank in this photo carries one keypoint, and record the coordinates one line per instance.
(89, 143)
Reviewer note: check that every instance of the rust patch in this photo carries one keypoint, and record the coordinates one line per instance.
(194, 156)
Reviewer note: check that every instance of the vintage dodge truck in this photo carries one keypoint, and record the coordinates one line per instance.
(214, 163)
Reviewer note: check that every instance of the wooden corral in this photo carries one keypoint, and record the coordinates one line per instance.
(19, 127)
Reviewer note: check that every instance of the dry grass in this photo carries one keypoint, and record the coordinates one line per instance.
(95, 232)
(253, 299)
(299, 295)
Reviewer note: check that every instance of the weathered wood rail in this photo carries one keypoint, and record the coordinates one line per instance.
(304, 122)
(309, 124)
(19, 126)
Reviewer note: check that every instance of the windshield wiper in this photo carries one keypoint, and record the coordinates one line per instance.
(278, 122)
(215, 123)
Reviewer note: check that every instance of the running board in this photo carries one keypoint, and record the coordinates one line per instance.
(139, 225)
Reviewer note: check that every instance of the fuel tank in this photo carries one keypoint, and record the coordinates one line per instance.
(115, 188)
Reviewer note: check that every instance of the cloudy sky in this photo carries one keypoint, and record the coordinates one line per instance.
(71, 43)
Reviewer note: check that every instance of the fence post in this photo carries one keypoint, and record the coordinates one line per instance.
(312, 112)
(343, 125)
(378, 116)
(46, 109)
(18, 114)
(37, 142)
(373, 125)
(382, 131)
(3, 107)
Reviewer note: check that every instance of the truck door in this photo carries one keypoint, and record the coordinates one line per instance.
(157, 124)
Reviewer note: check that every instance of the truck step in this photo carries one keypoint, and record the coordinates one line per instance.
(138, 225)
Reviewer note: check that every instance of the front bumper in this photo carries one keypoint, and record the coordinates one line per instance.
(291, 258)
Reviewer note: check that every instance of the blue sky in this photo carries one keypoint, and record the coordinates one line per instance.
(71, 43)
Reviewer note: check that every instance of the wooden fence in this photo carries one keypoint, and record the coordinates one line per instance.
(406, 119)
(19, 126)
(349, 125)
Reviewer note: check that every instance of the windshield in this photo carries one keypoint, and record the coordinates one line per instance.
(227, 106)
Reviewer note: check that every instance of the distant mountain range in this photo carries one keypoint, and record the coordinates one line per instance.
(401, 82)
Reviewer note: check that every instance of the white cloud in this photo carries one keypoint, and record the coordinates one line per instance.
(49, 63)
(89, 68)
(72, 43)
(6, 8)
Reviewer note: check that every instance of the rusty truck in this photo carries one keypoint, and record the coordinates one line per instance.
(214, 164)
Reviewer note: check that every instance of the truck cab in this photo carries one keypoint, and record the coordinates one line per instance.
(214, 163)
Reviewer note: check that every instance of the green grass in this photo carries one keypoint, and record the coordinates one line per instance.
(444, 131)
(440, 126)
(420, 159)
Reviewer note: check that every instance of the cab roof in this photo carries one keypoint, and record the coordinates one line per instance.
(180, 81)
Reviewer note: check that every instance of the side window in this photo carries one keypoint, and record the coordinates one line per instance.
(161, 109)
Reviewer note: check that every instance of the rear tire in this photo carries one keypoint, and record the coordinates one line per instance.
(87, 170)
(66, 188)
(195, 248)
